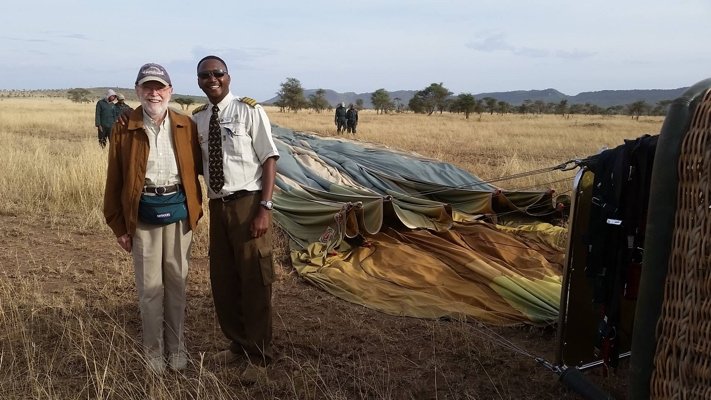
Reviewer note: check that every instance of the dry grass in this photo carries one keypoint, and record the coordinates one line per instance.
(68, 314)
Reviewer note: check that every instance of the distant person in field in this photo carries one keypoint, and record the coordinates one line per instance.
(351, 119)
(105, 116)
(340, 118)
(121, 106)
(152, 203)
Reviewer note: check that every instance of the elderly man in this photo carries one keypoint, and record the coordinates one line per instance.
(105, 116)
(152, 203)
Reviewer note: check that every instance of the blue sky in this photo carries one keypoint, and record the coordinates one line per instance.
(359, 46)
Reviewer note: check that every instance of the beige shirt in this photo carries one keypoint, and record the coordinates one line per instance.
(162, 169)
(246, 143)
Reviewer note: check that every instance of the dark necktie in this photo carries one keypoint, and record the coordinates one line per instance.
(214, 150)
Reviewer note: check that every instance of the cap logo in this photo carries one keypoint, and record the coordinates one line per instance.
(152, 71)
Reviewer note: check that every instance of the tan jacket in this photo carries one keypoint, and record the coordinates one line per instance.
(126, 172)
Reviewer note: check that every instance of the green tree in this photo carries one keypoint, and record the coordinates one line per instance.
(465, 103)
(381, 100)
(185, 102)
(359, 104)
(79, 95)
(439, 94)
(432, 98)
(280, 103)
(615, 110)
(562, 108)
(490, 104)
(418, 103)
(637, 108)
(317, 101)
(292, 95)
(398, 105)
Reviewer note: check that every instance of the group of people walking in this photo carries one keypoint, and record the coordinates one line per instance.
(346, 120)
(153, 202)
(108, 109)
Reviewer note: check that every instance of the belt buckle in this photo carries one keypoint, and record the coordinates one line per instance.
(227, 199)
(160, 190)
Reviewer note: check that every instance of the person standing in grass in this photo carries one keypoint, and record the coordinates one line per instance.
(239, 167)
(351, 119)
(340, 118)
(152, 203)
(105, 116)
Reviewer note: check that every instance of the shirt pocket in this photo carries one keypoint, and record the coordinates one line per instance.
(236, 140)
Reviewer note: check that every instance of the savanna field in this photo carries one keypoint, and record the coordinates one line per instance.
(69, 320)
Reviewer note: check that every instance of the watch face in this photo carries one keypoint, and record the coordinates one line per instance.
(267, 204)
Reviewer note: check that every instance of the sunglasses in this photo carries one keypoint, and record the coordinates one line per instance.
(218, 73)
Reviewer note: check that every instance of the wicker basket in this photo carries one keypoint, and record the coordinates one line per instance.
(682, 364)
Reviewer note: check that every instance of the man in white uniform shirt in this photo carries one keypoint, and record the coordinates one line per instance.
(240, 177)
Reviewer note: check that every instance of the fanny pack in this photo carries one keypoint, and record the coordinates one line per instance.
(162, 209)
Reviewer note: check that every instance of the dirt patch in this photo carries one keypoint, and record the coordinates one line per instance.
(329, 348)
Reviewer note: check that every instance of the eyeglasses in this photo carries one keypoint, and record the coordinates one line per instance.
(150, 87)
(217, 73)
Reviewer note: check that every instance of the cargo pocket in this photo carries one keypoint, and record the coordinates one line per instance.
(265, 264)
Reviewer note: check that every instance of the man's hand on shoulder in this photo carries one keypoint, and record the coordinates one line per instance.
(124, 116)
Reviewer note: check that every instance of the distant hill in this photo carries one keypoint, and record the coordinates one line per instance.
(603, 98)
(96, 93)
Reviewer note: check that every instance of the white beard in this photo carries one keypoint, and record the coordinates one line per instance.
(154, 110)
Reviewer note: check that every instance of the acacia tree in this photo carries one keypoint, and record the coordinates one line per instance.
(562, 108)
(490, 104)
(291, 95)
(418, 103)
(439, 95)
(317, 101)
(381, 100)
(79, 95)
(185, 102)
(398, 105)
(432, 98)
(465, 103)
(637, 108)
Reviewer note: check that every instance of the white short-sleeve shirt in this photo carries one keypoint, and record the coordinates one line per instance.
(246, 143)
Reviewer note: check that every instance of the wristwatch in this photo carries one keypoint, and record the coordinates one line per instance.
(267, 204)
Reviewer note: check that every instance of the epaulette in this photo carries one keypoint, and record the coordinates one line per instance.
(249, 101)
(201, 108)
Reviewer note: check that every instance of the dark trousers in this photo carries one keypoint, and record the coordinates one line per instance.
(103, 134)
(241, 274)
(341, 125)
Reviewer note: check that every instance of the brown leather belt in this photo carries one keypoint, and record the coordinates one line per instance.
(236, 195)
(161, 190)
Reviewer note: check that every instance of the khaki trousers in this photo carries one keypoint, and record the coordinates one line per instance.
(241, 276)
(160, 260)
